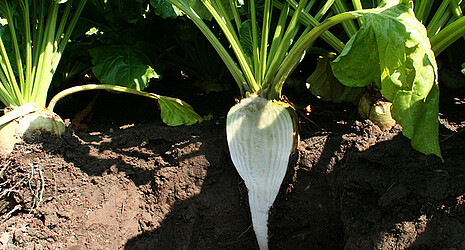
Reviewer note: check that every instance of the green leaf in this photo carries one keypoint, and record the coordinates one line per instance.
(164, 9)
(246, 36)
(175, 112)
(392, 51)
(358, 63)
(324, 84)
(122, 65)
(419, 120)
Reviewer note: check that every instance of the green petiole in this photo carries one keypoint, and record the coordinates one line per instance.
(308, 20)
(88, 87)
(283, 46)
(438, 21)
(298, 50)
(349, 27)
(44, 35)
(271, 61)
(448, 35)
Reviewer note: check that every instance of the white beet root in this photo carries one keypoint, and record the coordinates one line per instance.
(260, 136)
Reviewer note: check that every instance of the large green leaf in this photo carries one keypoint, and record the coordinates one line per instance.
(325, 85)
(122, 65)
(246, 37)
(175, 112)
(165, 9)
(392, 51)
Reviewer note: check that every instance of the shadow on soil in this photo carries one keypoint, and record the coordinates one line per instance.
(355, 187)
(218, 216)
(341, 193)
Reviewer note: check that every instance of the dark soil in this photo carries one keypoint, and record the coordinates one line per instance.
(130, 182)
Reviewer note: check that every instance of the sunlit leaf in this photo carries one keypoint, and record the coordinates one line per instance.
(122, 65)
(392, 51)
(165, 9)
(175, 112)
(246, 36)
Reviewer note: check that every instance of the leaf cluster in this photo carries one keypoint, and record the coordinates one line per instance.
(391, 51)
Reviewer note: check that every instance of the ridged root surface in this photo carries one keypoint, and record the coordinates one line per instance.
(260, 136)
